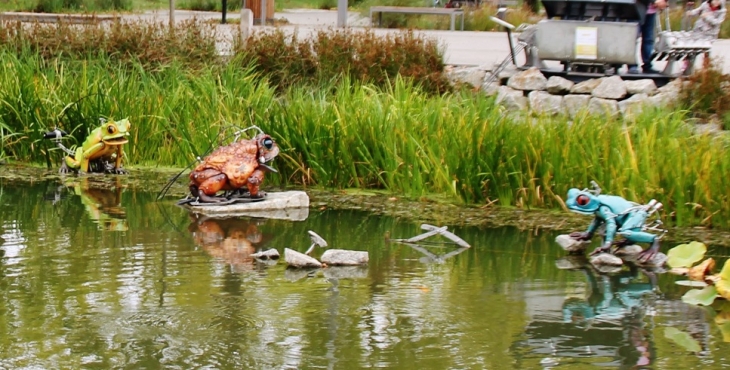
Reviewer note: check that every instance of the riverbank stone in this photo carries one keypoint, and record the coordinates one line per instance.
(285, 205)
(341, 257)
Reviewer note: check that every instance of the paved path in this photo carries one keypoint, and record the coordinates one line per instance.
(461, 47)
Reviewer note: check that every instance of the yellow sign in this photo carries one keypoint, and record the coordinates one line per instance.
(586, 43)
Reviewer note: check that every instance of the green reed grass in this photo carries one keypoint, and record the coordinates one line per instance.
(347, 134)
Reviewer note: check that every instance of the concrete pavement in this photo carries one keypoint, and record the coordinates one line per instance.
(462, 48)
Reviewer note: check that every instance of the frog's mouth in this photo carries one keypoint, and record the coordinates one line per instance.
(116, 141)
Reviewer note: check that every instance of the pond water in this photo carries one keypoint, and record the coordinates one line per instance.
(108, 278)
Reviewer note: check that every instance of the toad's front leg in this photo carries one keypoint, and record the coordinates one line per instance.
(254, 183)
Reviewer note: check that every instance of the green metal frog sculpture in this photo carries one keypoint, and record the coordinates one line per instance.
(620, 216)
(102, 151)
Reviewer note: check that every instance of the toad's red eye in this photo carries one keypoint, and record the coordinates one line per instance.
(582, 200)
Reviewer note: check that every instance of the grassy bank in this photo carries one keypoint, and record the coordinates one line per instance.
(352, 135)
(341, 124)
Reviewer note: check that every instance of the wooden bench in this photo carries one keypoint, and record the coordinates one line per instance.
(453, 12)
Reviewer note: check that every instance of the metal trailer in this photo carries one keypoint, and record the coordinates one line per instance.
(594, 38)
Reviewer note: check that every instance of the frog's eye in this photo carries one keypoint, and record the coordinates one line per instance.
(268, 143)
(582, 200)
(111, 129)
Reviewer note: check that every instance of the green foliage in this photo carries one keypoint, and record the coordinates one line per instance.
(685, 255)
(682, 339)
(703, 297)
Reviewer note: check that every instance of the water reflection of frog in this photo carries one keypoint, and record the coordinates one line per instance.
(102, 202)
(622, 217)
(232, 240)
(620, 299)
(103, 146)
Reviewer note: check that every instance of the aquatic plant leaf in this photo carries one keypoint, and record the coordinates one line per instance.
(703, 297)
(690, 283)
(699, 272)
(723, 285)
(683, 339)
(684, 255)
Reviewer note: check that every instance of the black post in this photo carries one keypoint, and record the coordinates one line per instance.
(225, 6)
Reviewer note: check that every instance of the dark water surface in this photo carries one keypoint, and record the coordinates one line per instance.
(94, 278)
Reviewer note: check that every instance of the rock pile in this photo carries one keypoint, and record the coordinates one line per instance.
(530, 90)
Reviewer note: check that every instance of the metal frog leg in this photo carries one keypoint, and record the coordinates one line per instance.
(632, 227)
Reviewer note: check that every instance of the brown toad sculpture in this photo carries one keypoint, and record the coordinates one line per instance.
(233, 167)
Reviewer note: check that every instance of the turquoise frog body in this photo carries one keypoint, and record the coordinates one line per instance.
(620, 216)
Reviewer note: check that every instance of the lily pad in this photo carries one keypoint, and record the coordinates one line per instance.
(684, 255)
(683, 339)
(723, 286)
(690, 283)
(703, 297)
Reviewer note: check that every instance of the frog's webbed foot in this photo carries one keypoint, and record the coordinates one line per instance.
(210, 199)
(580, 235)
(65, 169)
(649, 253)
(605, 248)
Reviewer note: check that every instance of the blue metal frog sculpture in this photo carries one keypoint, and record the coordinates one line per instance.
(622, 217)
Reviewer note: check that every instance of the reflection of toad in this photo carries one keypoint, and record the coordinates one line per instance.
(102, 202)
(232, 240)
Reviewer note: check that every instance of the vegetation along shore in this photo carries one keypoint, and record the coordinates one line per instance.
(362, 112)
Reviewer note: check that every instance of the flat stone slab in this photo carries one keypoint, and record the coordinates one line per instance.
(285, 205)
(300, 260)
(341, 257)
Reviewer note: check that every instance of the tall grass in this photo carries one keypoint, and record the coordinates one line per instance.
(348, 134)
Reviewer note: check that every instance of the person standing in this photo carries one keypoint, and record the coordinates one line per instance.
(647, 25)
(712, 14)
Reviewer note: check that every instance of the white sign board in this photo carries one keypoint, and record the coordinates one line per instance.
(586, 43)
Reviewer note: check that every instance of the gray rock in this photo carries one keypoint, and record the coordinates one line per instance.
(610, 88)
(629, 250)
(646, 86)
(558, 85)
(511, 99)
(633, 106)
(570, 244)
(603, 107)
(488, 87)
(472, 76)
(300, 260)
(606, 259)
(710, 128)
(287, 205)
(662, 99)
(271, 254)
(506, 73)
(586, 87)
(542, 102)
(672, 88)
(341, 257)
(531, 79)
(572, 104)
